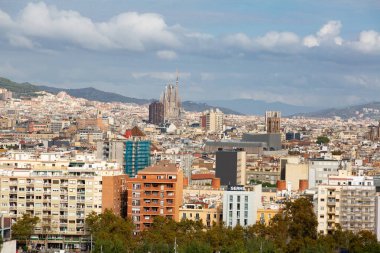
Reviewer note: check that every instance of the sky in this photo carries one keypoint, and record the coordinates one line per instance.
(312, 53)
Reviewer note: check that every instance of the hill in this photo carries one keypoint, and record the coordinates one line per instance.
(370, 110)
(19, 89)
(27, 89)
(258, 107)
(95, 95)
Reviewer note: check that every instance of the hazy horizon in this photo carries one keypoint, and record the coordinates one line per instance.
(310, 54)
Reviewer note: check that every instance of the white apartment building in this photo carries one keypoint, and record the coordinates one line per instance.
(348, 201)
(321, 169)
(240, 206)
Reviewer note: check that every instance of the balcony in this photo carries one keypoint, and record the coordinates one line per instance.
(331, 203)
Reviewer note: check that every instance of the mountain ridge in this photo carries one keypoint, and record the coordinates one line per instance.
(90, 93)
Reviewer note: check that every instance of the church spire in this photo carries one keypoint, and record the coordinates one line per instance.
(177, 78)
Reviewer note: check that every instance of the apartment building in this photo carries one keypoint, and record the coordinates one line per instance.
(155, 191)
(209, 215)
(240, 206)
(60, 193)
(321, 169)
(114, 195)
(212, 120)
(348, 201)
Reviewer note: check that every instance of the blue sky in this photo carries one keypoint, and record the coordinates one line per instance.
(314, 53)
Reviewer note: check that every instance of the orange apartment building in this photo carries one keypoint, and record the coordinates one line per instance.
(114, 189)
(155, 191)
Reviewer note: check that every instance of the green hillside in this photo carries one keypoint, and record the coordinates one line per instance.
(19, 89)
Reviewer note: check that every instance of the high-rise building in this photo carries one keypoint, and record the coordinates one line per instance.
(231, 167)
(156, 191)
(272, 122)
(137, 156)
(212, 120)
(374, 132)
(172, 102)
(156, 113)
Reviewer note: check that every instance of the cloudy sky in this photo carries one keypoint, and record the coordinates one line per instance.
(314, 53)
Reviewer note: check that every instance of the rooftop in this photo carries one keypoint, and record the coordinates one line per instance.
(160, 168)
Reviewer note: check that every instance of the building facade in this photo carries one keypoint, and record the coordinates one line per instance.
(349, 201)
(209, 215)
(137, 156)
(273, 122)
(156, 113)
(156, 191)
(231, 167)
(172, 102)
(240, 206)
(212, 120)
(60, 198)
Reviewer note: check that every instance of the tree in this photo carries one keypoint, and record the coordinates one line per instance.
(111, 233)
(24, 227)
(295, 226)
(322, 140)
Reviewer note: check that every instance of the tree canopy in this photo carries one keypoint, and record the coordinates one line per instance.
(322, 140)
(294, 229)
(24, 227)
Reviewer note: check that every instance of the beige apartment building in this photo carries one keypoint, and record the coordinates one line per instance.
(209, 215)
(212, 120)
(61, 194)
(348, 201)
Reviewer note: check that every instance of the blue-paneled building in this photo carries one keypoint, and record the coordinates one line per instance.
(137, 156)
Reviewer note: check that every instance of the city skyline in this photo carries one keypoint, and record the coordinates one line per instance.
(304, 54)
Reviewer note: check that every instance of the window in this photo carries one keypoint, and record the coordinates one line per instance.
(238, 198)
(246, 198)
(231, 198)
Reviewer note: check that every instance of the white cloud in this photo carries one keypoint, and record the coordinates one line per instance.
(5, 20)
(20, 41)
(369, 41)
(278, 39)
(131, 30)
(328, 33)
(239, 40)
(331, 29)
(310, 41)
(166, 54)
(165, 76)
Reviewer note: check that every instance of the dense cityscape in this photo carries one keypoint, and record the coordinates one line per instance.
(189, 126)
(64, 159)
